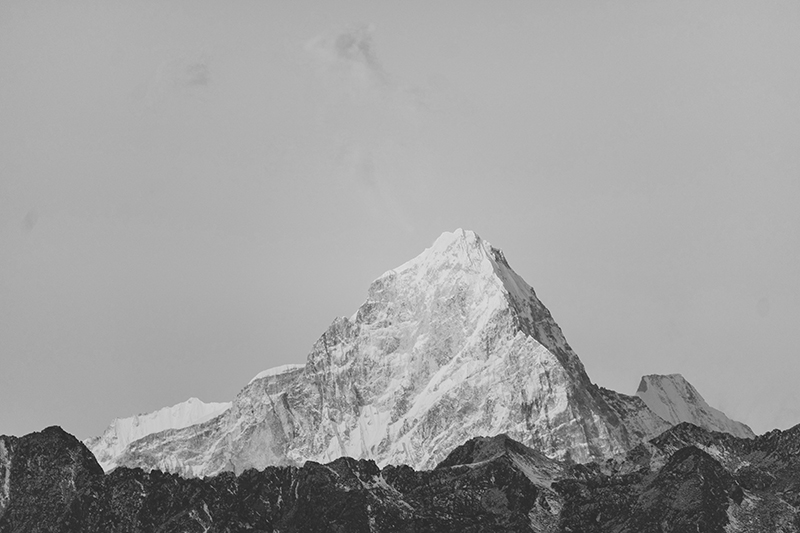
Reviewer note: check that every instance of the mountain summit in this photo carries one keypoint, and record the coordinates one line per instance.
(675, 400)
(448, 346)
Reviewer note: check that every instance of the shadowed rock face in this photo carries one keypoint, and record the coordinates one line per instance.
(692, 492)
(344, 495)
(50, 481)
(686, 480)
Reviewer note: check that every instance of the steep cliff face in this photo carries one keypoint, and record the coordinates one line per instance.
(449, 345)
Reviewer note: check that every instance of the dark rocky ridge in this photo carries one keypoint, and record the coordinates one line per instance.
(687, 479)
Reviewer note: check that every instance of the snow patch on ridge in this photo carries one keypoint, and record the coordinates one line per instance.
(278, 370)
(123, 431)
(448, 243)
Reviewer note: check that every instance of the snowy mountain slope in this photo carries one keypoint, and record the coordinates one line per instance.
(449, 345)
(123, 431)
(675, 400)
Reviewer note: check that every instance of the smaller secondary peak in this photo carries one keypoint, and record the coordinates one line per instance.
(675, 400)
(660, 378)
(534, 465)
(482, 449)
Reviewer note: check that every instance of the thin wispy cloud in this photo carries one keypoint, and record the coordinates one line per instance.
(347, 59)
(372, 120)
(349, 53)
(186, 71)
(367, 173)
(29, 221)
(196, 73)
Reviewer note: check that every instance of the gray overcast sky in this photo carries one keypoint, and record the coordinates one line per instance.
(191, 191)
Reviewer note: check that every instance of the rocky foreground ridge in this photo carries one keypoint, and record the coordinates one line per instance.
(447, 346)
(686, 480)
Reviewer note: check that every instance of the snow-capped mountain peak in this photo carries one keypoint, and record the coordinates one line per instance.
(461, 246)
(450, 345)
(675, 400)
(465, 251)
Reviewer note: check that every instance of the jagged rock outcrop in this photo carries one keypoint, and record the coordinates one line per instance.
(50, 482)
(343, 495)
(691, 492)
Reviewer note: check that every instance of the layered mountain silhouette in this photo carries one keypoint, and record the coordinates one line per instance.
(687, 479)
(448, 346)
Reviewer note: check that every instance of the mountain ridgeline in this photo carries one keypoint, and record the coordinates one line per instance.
(450, 345)
(687, 479)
